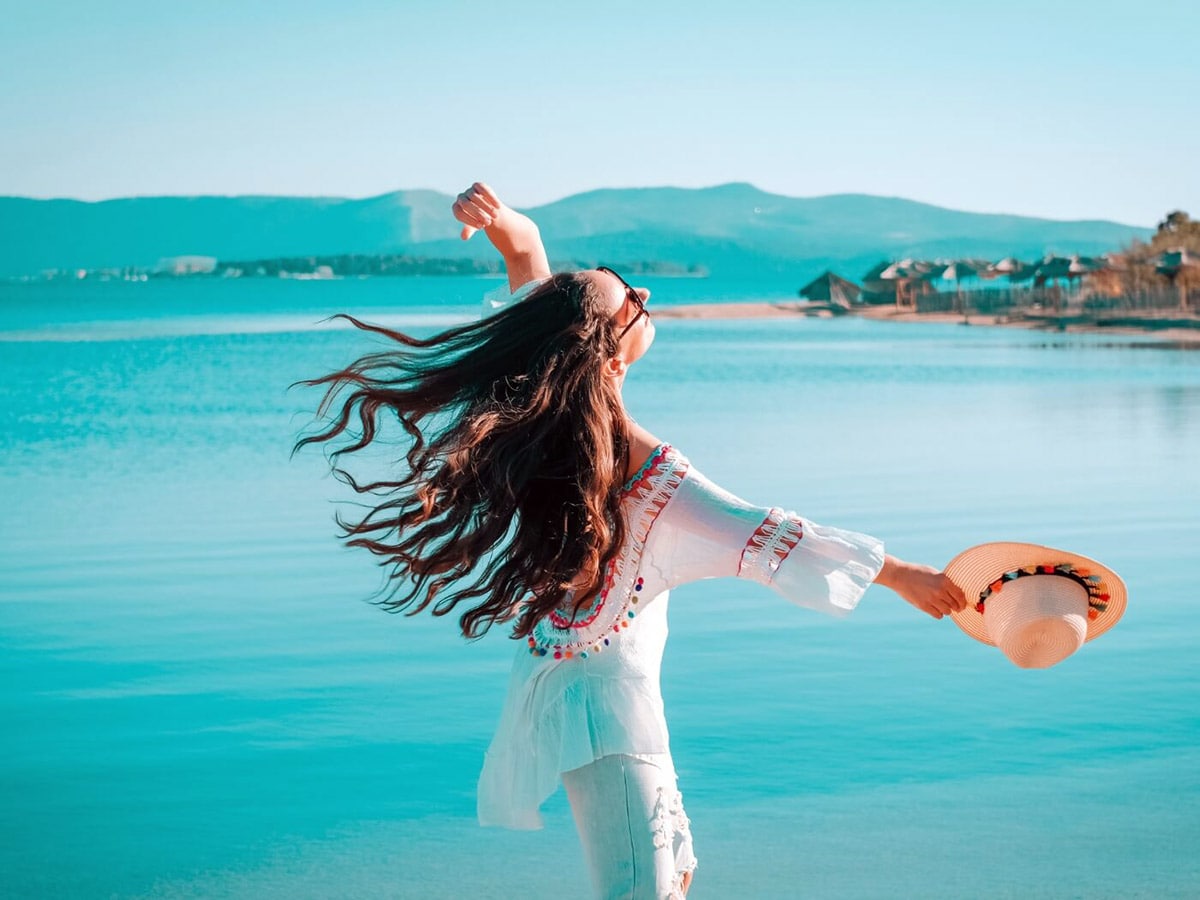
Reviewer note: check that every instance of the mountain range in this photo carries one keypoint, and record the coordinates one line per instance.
(733, 230)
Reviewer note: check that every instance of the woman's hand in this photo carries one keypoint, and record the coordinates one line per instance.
(477, 208)
(514, 235)
(923, 586)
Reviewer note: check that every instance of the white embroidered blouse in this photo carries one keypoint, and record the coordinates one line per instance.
(586, 685)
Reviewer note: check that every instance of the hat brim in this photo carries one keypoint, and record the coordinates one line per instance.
(976, 568)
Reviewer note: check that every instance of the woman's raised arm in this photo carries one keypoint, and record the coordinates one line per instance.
(513, 234)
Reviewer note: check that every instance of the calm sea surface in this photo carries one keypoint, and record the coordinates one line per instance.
(197, 703)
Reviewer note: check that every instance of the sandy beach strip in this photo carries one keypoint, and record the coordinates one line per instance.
(737, 310)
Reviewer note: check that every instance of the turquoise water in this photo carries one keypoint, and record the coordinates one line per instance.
(198, 704)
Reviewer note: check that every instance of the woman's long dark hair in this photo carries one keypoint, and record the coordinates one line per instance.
(509, 493)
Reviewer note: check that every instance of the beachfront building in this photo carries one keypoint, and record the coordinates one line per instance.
(1059, 285)
(832, 289)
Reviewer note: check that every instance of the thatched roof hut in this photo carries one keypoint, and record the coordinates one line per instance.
(831, 288)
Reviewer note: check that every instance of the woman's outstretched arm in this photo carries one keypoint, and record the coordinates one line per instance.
(710, 533)
(513, 234)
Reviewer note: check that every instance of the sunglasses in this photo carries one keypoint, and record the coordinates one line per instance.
(633, 296)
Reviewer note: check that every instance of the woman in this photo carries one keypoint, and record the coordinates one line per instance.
(529, 496)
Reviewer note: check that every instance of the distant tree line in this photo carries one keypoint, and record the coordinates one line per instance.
(352, 265)
(1146, 266)
(355, 265)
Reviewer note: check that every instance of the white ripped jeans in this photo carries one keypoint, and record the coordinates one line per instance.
(636, 837)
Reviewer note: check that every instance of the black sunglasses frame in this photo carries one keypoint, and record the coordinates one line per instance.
(634, 297)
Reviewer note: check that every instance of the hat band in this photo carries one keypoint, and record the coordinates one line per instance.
(1093, 584)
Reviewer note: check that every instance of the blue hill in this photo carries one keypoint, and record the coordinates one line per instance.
(731, 229)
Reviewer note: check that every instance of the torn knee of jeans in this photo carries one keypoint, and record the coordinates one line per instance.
(677, 887)
(670, 821)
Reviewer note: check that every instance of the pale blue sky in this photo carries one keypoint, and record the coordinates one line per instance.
(1060, 109)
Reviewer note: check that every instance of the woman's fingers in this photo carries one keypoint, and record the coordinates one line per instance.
(944, 597)
(953, 595)
(930, 591)
(465, 206)
(471, 215)
(473, 218)
(477, 208)
(948, 604)
(481, 197)
(486, 195)
(956, 593)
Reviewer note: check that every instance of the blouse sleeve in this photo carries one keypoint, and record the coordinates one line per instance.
(710, 533)
(500, 297)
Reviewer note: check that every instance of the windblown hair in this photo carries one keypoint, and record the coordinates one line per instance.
(509, 492)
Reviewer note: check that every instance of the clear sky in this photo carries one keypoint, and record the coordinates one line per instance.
(1058, 109)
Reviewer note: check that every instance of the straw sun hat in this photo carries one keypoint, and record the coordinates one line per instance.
(1037, 604)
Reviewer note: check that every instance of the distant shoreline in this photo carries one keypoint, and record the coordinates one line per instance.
(1175, 330)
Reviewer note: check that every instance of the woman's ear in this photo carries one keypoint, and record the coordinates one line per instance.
(615, 367)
